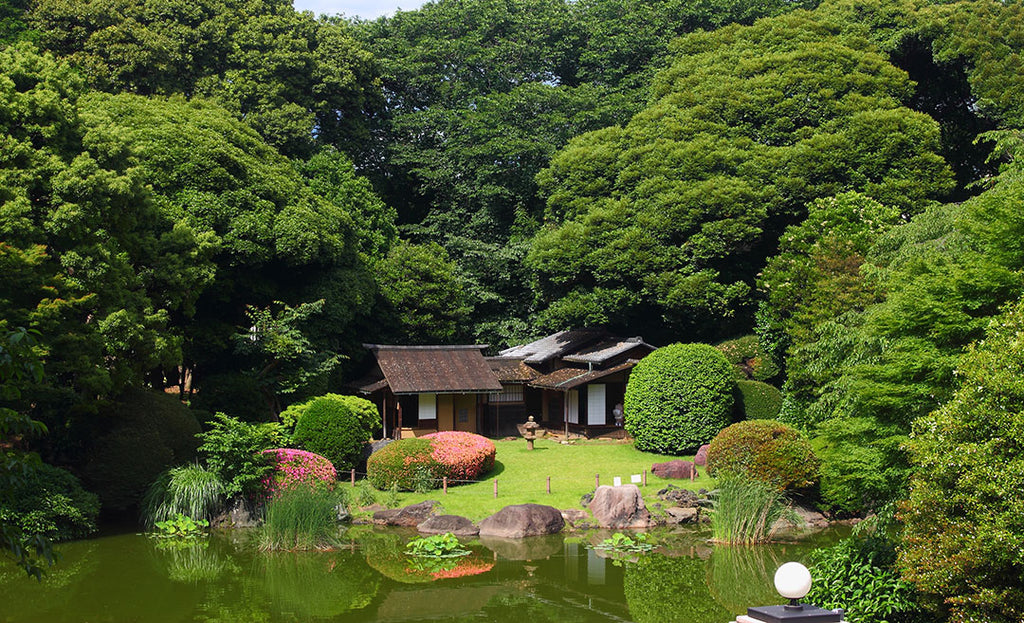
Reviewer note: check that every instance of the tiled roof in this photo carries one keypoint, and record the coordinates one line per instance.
(510, 370)
(568, 378)
(554, 345)
(607, 349)
(435, 369)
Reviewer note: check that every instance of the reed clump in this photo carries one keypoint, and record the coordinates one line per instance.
(744, 511)
(189, 490)
(301, 518)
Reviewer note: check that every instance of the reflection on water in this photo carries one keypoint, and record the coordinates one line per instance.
(225, 579)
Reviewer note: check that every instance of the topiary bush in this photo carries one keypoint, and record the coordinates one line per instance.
(146, 433)
(461, 455)
(50, 501)
(329, 428)
(294, 467)
(764, 450)
(757, 400)
(406, 463)
(678, 398)
(363, 409)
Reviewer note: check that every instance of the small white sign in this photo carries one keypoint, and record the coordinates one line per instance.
(618, 481)
(635, 479)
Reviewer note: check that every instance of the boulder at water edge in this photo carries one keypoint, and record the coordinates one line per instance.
(457, 525)
(409, 516)
(620, 507)
(521, 520)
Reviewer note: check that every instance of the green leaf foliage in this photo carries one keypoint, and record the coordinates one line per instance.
(659, 588)
(233, 448)
(750, 359)
(363, 409)
(757, 401)
(964, 521)
(407, 464)
(745, 128)
(140, 435)
(331, 429)
(767, 451)
(50, 501)
(678, 398)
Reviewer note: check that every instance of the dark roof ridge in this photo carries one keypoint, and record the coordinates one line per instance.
(426, 346)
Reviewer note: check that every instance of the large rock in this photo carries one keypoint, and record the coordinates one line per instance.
(521, 520)
(804, 518)
(702, 455)
(239, 514)
(677, 515)
(439, 524)
(677, 469)
(620, 507)
(576, 518)
(410, 516)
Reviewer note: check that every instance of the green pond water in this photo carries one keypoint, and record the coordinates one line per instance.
(127, 578)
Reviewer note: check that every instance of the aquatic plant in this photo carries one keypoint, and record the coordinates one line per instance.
(744, 511)
(445, 545)
(620, 542)
(190, 490)
(301, 518)
(181, 527)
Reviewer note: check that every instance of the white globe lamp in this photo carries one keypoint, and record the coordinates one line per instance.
(793, 581)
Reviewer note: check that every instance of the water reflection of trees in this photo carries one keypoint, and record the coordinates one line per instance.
(660, 589)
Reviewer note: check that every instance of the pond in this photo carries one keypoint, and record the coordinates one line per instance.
(125, 578)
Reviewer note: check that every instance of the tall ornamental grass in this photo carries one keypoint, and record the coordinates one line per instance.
(301, 518)
(190, 490)
(744, 511)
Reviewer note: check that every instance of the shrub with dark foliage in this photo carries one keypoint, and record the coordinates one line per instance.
(147, 432)
(678, 398)
(330, 428)
(406, 464)
(757, 400)
(50, 501)
(765, 450)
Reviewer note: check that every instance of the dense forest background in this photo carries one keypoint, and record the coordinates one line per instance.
(229, 197)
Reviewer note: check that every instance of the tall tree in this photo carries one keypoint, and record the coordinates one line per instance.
(747, 126)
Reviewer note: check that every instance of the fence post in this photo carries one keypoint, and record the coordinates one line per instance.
(444, 484)
(597, 480)
(495, 487)
(645, 477)
(353, 477)
(549, 484)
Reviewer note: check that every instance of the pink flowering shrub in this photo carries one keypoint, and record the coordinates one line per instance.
(292, 467)
(415, 464)
(462, 456)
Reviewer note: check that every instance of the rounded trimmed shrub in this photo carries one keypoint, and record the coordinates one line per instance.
(147, 432)
(678, 398)
(765, 450)
(462, 455)
(363, 409)
(293, 467)
(50, 501)
(407, 464)
(757, 400)
(330, 428)
(749, 359)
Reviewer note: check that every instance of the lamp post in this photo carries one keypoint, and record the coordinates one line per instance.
(793, 581)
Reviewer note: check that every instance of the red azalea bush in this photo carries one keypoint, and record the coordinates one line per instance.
(462, 456)
(292, 467)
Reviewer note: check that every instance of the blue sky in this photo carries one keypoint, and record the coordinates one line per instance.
(367, 9)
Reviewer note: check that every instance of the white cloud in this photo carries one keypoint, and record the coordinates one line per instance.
(367, 9)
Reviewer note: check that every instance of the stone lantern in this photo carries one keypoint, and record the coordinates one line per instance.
(530, 432)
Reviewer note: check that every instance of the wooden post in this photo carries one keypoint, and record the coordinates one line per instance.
(597, 480)
(398, 425)
(353, 476)
(645, 477)
(444, 484)
(549, 484)
(495, 488)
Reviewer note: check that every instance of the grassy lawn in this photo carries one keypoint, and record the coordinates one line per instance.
(522, 476)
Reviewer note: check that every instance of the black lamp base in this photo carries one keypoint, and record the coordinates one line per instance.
(795, 613)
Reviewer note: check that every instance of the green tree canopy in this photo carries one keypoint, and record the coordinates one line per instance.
(746, 126)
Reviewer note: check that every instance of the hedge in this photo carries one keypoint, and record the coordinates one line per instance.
(329, 427)
(50, 501)
(757, 400)
(407, 464)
